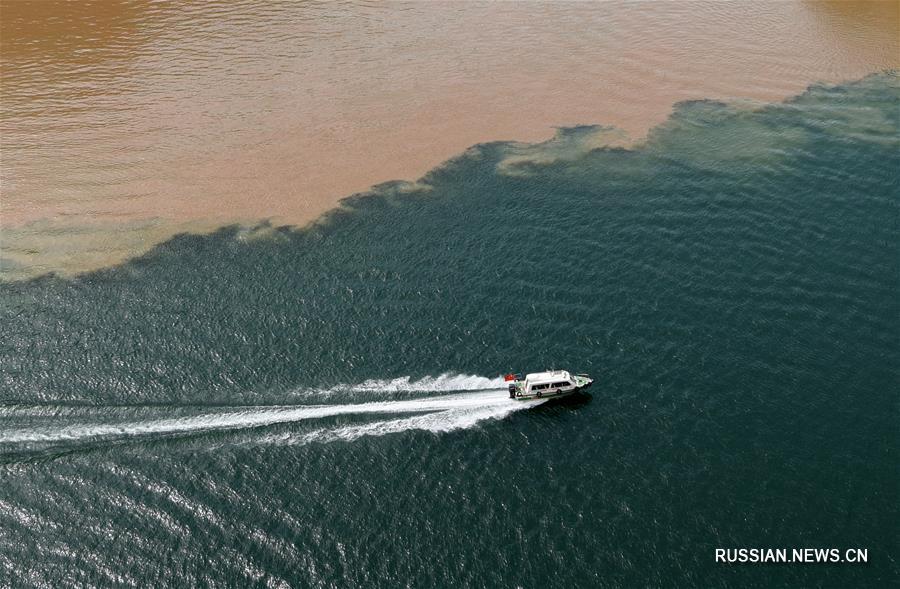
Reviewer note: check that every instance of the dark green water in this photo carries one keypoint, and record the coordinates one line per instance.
(320, 408)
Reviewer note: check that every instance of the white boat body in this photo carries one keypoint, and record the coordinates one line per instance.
(550, 384)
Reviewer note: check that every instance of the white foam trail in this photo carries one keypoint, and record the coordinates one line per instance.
(445, 412)
(428, 384)
(437, 422)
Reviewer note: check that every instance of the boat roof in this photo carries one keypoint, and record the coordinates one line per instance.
(549, 375)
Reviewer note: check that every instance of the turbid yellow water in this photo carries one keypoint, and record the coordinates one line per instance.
(126, 122)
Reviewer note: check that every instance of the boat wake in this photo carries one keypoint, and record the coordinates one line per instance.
(450, 402)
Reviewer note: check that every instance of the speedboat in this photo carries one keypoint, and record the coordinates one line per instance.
(551, 384)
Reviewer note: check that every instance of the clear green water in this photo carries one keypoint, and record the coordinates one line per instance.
(321, 408)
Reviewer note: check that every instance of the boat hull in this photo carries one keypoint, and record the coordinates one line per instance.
(547, 396)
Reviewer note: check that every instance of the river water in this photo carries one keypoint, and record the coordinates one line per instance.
(256, 403)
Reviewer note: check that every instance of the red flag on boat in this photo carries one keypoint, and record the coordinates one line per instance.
(509, 377)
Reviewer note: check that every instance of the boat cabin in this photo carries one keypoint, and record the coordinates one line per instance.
(543, 383)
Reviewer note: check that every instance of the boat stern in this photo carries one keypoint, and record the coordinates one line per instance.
(514, 384)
